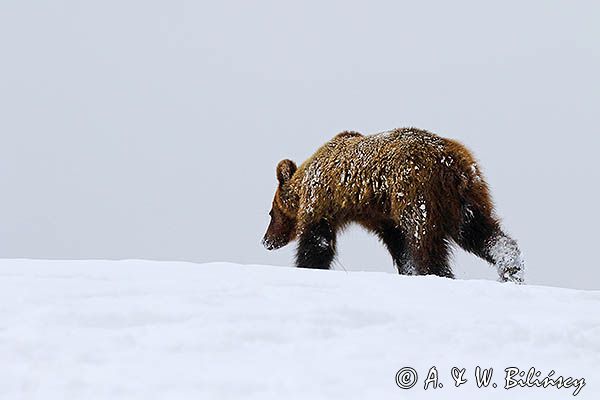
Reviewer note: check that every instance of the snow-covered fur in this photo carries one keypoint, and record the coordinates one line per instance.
(507, 258)
(415, 190)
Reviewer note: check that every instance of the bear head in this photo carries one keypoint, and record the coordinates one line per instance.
(282, 228)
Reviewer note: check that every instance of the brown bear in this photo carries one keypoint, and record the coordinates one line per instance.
(418, 192)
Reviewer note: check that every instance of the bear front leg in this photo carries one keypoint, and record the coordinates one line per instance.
(316, 246)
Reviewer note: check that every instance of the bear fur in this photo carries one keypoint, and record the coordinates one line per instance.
(418, 192)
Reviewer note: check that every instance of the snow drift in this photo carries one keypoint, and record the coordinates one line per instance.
(156, 330)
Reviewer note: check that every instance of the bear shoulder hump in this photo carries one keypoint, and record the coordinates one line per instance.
(348, 134)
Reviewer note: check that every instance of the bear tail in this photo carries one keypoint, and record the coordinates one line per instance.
(472, 187)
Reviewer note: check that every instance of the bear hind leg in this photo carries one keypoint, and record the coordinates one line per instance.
(480, 234)
(431, 255)
(395, 241)
(316, 246)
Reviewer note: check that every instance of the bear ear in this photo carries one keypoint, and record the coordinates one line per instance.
(285, 170)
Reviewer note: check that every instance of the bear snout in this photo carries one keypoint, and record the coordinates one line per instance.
(268, 244)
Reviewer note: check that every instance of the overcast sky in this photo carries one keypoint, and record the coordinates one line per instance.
(146, 129)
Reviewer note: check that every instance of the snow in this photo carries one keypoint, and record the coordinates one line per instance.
(172, 330)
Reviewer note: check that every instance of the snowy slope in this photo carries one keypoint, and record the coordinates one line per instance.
(169, 330)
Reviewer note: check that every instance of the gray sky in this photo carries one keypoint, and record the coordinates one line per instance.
(145, 129)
